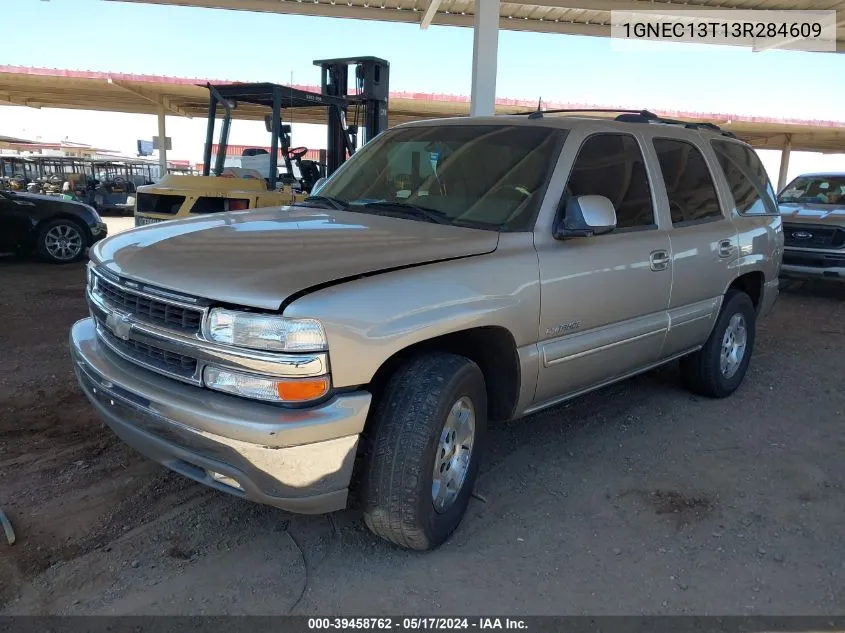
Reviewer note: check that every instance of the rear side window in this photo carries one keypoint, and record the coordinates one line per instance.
(749, 183)
(689, 185)
(611, 165)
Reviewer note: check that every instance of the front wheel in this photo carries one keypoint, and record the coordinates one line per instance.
(424, 449)
(718, 368)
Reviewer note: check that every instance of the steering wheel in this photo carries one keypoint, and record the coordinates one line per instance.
(295, 153)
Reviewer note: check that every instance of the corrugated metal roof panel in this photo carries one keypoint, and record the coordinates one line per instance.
(580, 17)
(88, 90)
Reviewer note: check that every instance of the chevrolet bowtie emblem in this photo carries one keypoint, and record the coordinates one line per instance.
(119, 324)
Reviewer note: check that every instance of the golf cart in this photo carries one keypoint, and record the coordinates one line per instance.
(116, 181)
(16, 172)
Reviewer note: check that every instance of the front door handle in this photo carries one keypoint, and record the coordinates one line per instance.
(659, 260)
(726, 248)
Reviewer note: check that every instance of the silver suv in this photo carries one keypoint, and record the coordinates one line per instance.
(452, 273)
(813, 211)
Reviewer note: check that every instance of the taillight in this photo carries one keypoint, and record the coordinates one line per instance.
(236, 204)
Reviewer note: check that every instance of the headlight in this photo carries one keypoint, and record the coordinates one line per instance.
(288, 390)
(266, 331)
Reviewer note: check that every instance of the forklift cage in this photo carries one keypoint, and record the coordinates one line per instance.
(372, 75)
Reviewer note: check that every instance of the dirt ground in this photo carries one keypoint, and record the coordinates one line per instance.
(638, 499)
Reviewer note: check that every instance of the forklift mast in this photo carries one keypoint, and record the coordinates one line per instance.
(372, 76)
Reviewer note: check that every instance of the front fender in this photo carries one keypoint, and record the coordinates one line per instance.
(370, 319)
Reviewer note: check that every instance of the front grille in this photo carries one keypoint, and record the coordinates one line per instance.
(153, 357)
(812, 236)
(149, 310)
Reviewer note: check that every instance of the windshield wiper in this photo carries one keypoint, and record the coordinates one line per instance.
(335, 203)
(432, 215)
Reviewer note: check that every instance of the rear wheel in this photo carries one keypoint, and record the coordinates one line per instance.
(424, 449)
(61, 241)
(718, 368)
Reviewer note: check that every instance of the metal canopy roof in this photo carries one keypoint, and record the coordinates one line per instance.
(145, 94)
(574, 17)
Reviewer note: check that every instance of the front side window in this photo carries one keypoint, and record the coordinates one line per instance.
(747, 179)
(815, 190)
(611, 165)
(689, 185)
(484, 176)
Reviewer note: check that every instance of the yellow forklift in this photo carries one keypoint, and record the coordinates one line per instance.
(255, 181)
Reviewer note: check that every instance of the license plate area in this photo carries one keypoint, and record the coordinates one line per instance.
(139, 221)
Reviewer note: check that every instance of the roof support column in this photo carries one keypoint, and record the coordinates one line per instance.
(162, 143)
(784, 161)
(485, 51)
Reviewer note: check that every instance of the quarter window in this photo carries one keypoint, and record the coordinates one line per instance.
(612, 165)
(689, 185)
(750, 186)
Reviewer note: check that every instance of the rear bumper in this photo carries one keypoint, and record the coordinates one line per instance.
(297, 460)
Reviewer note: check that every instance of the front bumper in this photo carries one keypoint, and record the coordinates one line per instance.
(298, 460)
(804, 264)
(99, 231)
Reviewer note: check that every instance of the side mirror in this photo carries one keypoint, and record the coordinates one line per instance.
(317, 185)
(586, 216)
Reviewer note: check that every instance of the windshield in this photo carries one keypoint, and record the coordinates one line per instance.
(485, 176)
(815, 189)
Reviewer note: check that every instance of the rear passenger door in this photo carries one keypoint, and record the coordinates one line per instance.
(755, 214)
(703, 239)
(603, 298)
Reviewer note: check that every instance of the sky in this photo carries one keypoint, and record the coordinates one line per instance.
(238, 45)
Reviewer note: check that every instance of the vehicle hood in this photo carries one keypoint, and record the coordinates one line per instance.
(260, 258)
(809, 213)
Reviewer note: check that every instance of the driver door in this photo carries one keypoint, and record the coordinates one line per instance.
(604, 298)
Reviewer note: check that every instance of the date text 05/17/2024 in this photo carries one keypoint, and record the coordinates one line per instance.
(416, 623)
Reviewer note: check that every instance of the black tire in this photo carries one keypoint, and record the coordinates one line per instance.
(403, 443)
(701, 371)
(61, 224)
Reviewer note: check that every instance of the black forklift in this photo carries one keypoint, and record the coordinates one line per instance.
(364, 110)
(253, 180)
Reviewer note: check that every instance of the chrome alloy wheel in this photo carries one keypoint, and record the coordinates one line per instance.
(453, 454)
(63, 242)
(734, 343)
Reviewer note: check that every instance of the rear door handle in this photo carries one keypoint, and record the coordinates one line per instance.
(659, 260)
(726, 248)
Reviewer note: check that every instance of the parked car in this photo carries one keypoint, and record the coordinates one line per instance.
(57, 230)
(813, 211)
(450, 273)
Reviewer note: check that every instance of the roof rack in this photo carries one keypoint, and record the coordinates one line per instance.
(644, 116)
(539, 112)
(631, 116)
